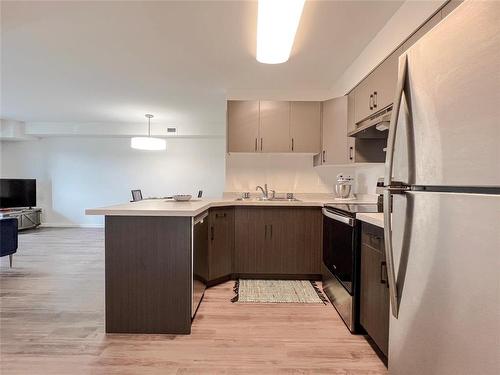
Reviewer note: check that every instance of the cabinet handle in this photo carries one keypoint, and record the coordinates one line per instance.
(375, 99)
(370, 102)
(255, 144)
(220, 215)
(351, 149)
(292, 144)
(265, 231)
(382, 266)
(212, 233)
(261, 142)
(271, 230)
(324, 156)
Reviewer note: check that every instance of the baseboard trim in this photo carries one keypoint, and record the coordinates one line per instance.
(65, 225)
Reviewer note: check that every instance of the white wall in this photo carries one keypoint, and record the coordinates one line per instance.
(293, 173)
(78, 173)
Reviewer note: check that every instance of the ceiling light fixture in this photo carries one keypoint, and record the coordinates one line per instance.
(148, 143)
(277, 23)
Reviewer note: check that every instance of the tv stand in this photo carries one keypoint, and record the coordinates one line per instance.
(27, 218)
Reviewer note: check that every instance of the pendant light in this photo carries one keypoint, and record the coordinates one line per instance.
(148, 143)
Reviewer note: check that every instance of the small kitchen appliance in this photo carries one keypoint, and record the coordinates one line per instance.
(343, 187)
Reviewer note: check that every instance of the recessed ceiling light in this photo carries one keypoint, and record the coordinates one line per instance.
(148, 143)
(277, 23)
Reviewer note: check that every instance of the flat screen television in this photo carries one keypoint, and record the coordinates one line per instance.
(17, 193)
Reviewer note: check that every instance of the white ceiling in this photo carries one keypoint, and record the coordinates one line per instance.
(113, 61)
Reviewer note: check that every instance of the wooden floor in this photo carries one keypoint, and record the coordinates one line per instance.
(52, 322)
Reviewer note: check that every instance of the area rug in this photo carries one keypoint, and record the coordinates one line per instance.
(277, 291)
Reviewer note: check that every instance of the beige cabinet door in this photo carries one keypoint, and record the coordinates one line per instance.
(334, 121)
(305, 127)
(351, 121)
(242, 125)
(274, 126)
(363, 99)
(385, 78)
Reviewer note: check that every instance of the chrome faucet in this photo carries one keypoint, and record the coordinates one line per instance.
(264, 191)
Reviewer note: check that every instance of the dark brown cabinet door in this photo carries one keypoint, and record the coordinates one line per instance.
(221, 242)
(374, 301)
(300, 240)
(278, 240)
(249, 239)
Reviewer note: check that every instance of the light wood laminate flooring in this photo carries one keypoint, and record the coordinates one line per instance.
(52, 322)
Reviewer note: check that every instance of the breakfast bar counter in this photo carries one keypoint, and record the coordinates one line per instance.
(161, 254)
(167, 207)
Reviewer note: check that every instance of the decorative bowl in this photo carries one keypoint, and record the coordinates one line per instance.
(182, 197)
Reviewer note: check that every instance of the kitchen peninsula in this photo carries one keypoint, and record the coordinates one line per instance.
(161, 254)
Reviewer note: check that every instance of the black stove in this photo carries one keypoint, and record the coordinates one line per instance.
(342, 258)
(352, 208)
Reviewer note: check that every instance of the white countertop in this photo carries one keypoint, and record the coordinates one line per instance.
(162, 207)
(372, 218)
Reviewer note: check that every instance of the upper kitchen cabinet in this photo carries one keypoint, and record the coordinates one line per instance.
(385, 80)
(274, 126)
(377, 90)
(334, 132)
(363, 99)
(351, 123)
(243, 125)
(305, 127)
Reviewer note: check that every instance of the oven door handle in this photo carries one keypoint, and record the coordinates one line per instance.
(343, 219)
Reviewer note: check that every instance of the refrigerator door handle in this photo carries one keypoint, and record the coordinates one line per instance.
(391, 140)
(391, 274)
(389, 163)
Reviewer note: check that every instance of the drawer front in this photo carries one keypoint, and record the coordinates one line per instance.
(373, 236)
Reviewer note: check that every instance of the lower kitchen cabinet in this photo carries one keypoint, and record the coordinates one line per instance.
(278, 240)
(221, 242)
(374, 301)
(301, 240)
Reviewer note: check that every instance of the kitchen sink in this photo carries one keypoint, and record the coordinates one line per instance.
(260, 199)
(284, 199)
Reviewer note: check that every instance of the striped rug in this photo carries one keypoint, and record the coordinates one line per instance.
(277, 291)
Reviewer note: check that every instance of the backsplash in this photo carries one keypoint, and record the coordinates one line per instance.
(293, 173)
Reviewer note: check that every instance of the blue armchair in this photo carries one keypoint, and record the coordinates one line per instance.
(8, 238)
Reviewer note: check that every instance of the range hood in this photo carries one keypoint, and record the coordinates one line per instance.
(375, 126)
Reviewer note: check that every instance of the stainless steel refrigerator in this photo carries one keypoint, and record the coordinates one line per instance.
(443, 177)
